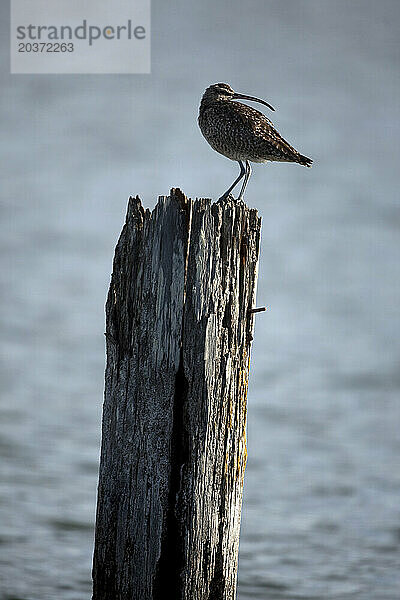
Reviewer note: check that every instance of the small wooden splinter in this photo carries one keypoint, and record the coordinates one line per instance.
(257, 310)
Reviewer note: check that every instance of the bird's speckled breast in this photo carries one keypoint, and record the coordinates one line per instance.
(222, 129)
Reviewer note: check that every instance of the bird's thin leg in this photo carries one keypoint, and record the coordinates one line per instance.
(242, 172)
(246, 179)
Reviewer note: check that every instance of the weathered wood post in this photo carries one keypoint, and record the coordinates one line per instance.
(178, 335)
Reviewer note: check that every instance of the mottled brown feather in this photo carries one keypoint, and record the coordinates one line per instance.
(241, 132)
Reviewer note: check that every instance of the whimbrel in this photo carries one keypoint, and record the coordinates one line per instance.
(242, 133)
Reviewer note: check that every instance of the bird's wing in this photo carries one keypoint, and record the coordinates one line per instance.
(257, 124)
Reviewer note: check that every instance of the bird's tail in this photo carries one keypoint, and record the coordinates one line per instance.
(303, 160)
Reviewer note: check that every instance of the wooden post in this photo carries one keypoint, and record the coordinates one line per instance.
(178, 335)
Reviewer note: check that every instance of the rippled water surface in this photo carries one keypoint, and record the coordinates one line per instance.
(321, 515)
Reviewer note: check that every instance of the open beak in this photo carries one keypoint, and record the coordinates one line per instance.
(243, 97)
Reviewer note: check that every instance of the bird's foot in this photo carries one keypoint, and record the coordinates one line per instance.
(226, 197)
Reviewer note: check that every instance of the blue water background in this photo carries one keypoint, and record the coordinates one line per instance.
(321, 514)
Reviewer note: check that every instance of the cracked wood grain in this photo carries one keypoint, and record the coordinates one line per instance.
(178, 335)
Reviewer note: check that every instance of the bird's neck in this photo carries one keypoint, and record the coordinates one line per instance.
(207, 102)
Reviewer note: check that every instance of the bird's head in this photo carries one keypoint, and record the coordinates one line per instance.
(222, 91)
(218, 91)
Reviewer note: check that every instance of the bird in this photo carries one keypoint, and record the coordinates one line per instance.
(242, 133)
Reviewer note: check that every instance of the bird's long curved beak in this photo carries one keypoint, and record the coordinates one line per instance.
(244, 97)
